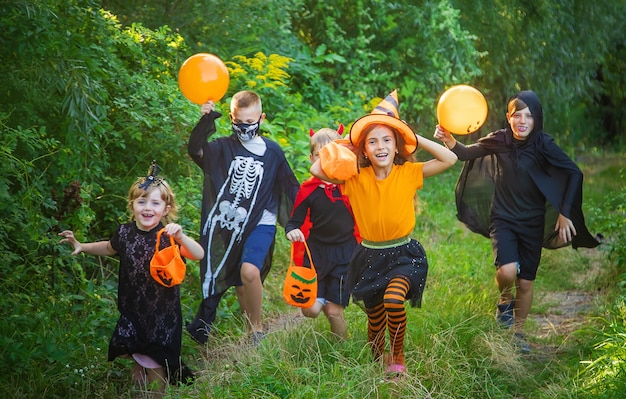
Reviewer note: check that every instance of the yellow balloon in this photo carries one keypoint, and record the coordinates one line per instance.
(462, 109)
(203, 77)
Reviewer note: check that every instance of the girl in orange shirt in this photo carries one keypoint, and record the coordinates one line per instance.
(388, 267)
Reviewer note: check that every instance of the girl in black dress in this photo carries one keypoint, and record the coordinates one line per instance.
(150, 325)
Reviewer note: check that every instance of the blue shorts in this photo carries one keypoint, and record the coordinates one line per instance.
(257, 246)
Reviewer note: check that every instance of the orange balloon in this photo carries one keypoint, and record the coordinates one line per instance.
(462, 109)
(203, 77)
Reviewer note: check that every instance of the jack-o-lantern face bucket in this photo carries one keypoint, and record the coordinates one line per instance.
(300, 285)
(167, 267)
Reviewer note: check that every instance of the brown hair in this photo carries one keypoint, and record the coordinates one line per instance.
(321, 138)
(400, 157)
(515, 105)
(167, 195)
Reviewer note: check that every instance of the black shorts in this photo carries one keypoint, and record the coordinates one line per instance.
(331, 264)
(519, 241)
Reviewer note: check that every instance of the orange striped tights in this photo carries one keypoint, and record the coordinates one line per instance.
(392, 314)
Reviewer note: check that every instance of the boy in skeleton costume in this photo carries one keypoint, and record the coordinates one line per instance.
(246, 180)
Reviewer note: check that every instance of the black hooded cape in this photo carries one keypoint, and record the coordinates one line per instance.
(557, 177)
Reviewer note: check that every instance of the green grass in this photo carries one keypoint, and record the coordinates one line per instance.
(454, 349)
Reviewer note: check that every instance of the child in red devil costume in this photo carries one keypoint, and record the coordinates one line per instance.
(322, 215)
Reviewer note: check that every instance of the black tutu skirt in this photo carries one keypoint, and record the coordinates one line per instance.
(371, 270)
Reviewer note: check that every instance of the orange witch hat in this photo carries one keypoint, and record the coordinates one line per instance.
(385, 113)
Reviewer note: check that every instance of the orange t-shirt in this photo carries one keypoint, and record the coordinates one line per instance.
(384, 209)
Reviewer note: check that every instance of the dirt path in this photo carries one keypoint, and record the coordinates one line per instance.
(566, 311)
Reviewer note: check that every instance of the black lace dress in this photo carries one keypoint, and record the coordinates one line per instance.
(151, 319)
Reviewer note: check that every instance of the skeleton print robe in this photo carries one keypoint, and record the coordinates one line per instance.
(238, 187)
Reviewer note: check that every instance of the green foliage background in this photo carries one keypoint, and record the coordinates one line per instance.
(89, 96)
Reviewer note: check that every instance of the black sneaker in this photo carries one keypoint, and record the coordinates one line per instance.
(504, 313)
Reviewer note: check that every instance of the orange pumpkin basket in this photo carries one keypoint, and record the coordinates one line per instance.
(167, 266)
(300, 285)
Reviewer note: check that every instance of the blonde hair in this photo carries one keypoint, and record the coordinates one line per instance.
(167, 195)
(321, 138)
(245, 99)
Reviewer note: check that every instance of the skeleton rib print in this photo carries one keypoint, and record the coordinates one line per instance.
(232, 211)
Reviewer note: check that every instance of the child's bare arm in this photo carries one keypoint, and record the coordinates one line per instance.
(444, 158)
(98, 248)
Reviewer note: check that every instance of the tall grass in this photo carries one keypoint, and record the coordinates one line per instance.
(454, 349)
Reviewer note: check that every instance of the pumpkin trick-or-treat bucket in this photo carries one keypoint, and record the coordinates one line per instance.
(167, 267)
(300, 285)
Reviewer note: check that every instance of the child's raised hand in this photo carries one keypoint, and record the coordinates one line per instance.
(295, 235)
(208, 107)
(189, 248)
(174, 230)
(68, 236)
(442, 134)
